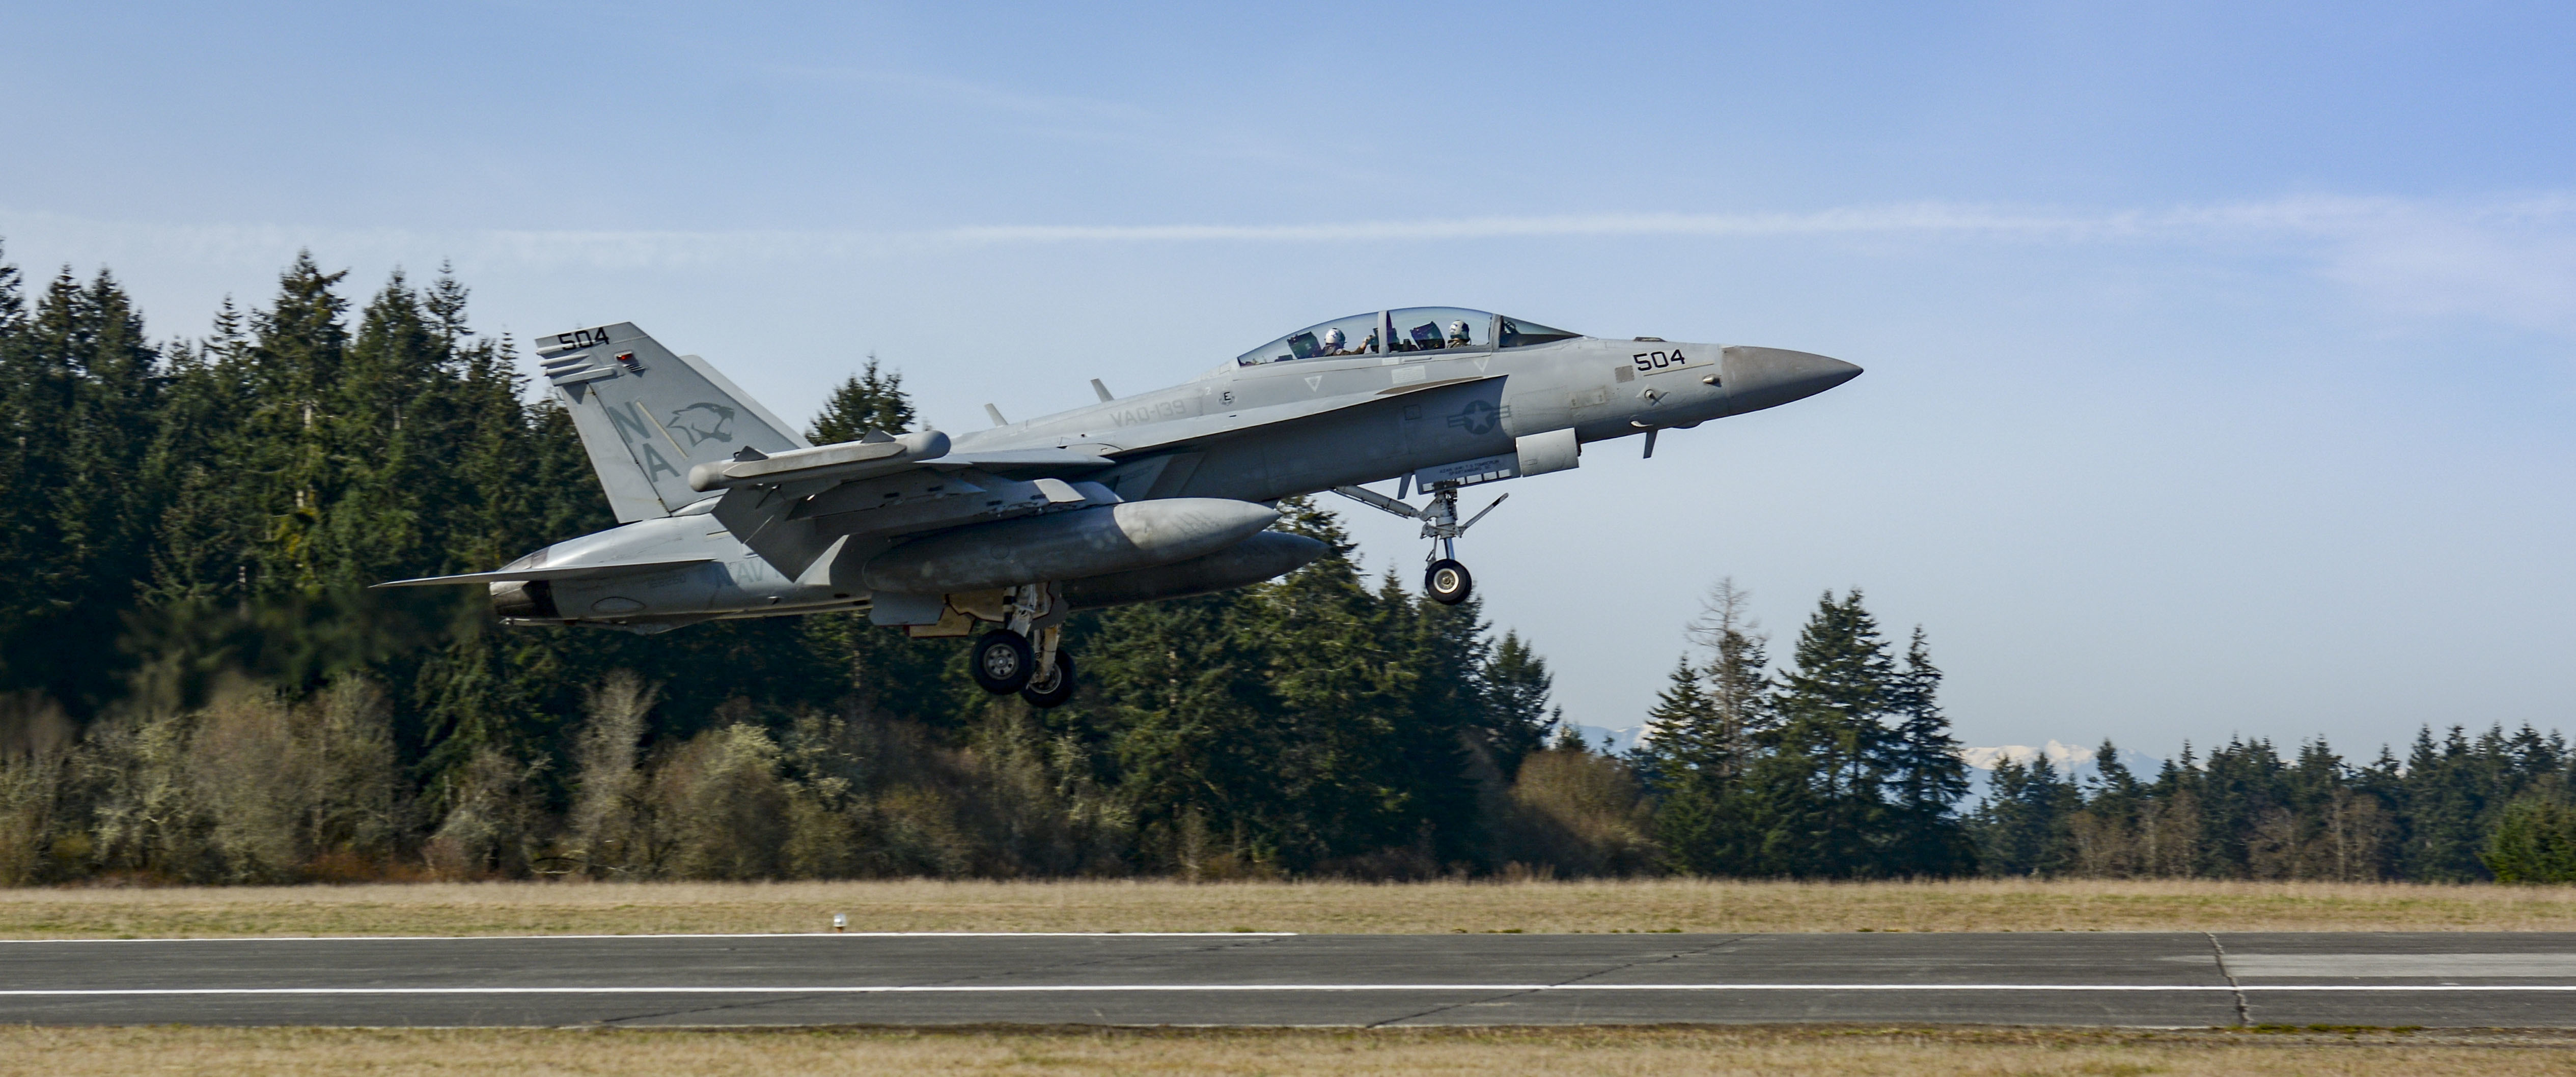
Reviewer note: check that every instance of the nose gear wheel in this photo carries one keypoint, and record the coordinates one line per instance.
(1448, 582)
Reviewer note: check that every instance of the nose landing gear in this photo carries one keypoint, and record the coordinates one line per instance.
(1444, 579)
(1448, 582)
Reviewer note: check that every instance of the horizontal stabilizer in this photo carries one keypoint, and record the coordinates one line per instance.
(559, 572)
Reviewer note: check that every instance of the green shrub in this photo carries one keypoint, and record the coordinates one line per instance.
(2535, 842)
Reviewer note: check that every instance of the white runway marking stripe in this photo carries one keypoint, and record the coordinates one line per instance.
(1003, 989)
(737, 935)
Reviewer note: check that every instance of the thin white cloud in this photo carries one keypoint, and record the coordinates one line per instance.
(2512, 260)
(1922, 218)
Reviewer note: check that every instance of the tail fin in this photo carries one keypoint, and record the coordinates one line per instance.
(646, 416)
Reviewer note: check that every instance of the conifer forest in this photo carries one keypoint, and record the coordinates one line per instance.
(196, 685)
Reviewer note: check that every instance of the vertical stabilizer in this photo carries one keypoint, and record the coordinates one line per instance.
(646, 415)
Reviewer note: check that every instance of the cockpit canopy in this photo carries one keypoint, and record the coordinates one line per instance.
(1409, 329)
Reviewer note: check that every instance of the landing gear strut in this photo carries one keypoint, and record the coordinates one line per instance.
(1447, 581)
(1008, 660)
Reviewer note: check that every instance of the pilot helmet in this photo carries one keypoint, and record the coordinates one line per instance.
(1458, 329)
(1333, 336)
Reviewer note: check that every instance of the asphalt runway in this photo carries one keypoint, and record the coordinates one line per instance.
(2131, 979)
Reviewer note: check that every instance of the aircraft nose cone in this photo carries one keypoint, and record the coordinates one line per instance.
(1828, 372)
(1770, 377)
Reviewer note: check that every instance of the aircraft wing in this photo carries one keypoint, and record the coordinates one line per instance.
(767, 499)
(1228, 423)
(558, 573)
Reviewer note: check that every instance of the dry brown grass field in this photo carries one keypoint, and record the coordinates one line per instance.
(58, 1052)
(1534, 907)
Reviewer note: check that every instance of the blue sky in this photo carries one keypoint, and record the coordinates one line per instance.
(2219, 355)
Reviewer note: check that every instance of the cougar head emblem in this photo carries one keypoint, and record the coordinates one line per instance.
(704, 423)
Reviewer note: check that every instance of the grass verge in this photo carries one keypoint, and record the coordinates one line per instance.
(1534, 907)
(75, 1052)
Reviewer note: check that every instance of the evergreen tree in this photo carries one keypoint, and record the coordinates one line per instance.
(2534, 840)
(82, 388)
(2020, 826)
(1738, 675)
(2102, 836)
(2443, 801)
(2242, 793)
(866, 401)
(1824, 784)
(210, 519)
(1701, 740)
(1688, 759)
(299, 345)
(1928, 777)
(30, 413)
(13, 298)
(1686, 740)
(1514, 684)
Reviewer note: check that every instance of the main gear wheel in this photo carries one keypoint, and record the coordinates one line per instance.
(1053, 685)
(1002, 662)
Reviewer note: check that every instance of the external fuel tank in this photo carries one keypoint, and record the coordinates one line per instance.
(1066, 545)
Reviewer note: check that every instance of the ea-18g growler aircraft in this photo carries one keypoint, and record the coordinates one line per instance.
(725, 512)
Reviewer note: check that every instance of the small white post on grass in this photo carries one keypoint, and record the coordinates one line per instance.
(840, 921)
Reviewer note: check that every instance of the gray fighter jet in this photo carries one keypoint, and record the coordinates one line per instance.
(1005, 532)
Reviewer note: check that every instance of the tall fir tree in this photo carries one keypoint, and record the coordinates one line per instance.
(299, 344)
(1514, 686)
(1686, 760)
(1928, 777)
(84, 386)
(1701, 740)
(868, 400)
(2020, 829)
(1824, 790)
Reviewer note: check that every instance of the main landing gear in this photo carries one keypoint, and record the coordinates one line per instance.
(1005, 660)
(1444, 579)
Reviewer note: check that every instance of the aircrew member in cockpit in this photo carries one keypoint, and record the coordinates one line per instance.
(1458, 334)
(1334, 342)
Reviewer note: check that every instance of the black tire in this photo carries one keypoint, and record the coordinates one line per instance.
(1448, 582)
(1049, 691)
(1002, 662)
